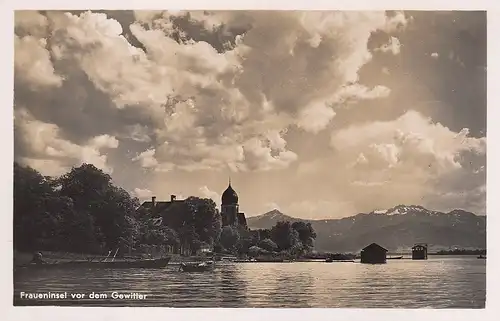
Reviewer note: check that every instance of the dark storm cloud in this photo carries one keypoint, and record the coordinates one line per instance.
(449, 87)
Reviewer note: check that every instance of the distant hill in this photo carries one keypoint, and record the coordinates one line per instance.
(267, 220)
(396, 229)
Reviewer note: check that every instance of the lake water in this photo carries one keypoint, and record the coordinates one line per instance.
(440, 282)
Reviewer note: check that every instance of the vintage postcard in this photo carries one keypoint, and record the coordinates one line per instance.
(250, 159)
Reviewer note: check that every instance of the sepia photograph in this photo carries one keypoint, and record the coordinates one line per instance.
(249, 158)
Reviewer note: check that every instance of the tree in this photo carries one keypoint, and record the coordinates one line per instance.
(80, 233)
(153, 234)
(306, 233)
(207, 219)
(254, 251)
(34, 198)
(264, 234)
(247, 240)
(229, 237)
(111, 208)
(82, 211)
(297, 249)
(268, 245)
(86, 185)
(117, 217)
(197, 220)
(284, 235)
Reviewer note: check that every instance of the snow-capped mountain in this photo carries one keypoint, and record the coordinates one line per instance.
(394, 228)
(404, 209)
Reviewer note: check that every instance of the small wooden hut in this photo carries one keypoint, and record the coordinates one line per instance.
(374, 254)
(419, 251)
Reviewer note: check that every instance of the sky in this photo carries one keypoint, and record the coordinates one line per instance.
(318, 114)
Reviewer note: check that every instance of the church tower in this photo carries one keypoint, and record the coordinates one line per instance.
(229, 207)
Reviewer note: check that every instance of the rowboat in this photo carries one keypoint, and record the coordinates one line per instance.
(395, 257)
(339, 257)
(330, 260)
(135, 264)
(197, 267)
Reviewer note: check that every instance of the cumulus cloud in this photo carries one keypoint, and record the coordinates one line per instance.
(315, 117)
(208, 108)
(259, 155)
(356, 92)
(410, 140)
(211, 124)
(397, 21)
(208, 193)
(175, 94)
(142, 193)
(32, 63)
(146, 159)
(28, 22)
(394, 46)
(51, 153)
(410, 158)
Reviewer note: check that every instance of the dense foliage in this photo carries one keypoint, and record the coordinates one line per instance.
(285, 238)
(462, 252)
(82, 211)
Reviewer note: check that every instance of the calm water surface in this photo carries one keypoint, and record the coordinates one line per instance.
(440, 282)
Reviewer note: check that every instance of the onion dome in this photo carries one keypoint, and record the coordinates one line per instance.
(229, 197)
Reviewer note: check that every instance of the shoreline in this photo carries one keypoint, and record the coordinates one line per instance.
(20, 258)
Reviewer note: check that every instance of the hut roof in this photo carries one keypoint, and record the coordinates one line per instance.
(374, 246)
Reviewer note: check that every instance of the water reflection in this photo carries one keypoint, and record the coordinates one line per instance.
(438, 282)
(232, 288)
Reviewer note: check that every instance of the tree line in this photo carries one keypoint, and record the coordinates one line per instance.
(291, 239)
(82, 211)
(461, 252)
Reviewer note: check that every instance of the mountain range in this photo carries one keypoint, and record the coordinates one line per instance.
(396, 229)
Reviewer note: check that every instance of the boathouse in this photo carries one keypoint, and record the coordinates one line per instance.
(419, 252)
(374, 254)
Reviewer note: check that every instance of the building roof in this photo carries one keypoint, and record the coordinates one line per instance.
(374, 246)
(229, 196)
(419, 245)
(160, 206)
(242, 219)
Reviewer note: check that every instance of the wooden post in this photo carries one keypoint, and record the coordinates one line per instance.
(114, 255)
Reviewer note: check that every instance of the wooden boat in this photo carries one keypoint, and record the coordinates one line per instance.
(136, 264)
(332, 260)
(339, 257)
(197, 267)
(395, 258)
